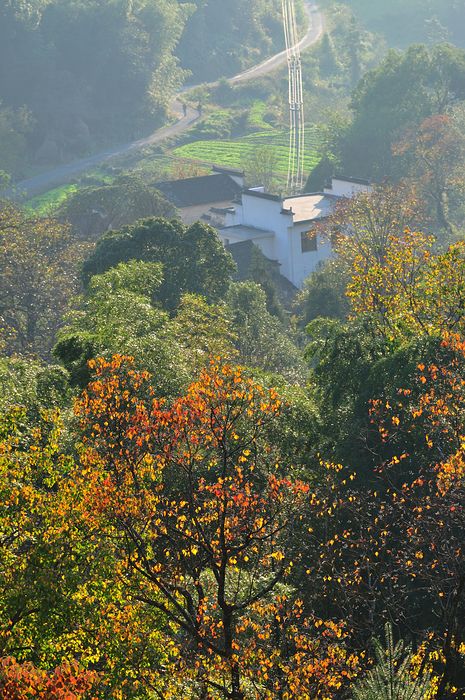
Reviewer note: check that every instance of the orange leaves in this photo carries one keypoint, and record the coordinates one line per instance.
(25, 681)
(192, 494)
(318, 666)
(451, 471)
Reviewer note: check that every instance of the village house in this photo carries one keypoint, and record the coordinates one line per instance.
(281, 227)
(206, 197)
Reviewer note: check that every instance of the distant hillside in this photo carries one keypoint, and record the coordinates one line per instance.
(406, 21)
(79, 74)
(222, 37)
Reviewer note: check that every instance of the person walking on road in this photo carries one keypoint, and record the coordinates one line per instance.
(184, 109)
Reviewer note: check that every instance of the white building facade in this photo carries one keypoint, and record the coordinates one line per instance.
(282, 227)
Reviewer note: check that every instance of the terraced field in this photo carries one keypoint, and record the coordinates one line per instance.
(234, 153)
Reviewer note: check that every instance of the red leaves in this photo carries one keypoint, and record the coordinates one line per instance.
(25, 681)
(194, 496)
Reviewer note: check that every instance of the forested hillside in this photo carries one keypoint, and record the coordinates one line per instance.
(221, 37)
(201, 497)
(78, 74)
(413, 21)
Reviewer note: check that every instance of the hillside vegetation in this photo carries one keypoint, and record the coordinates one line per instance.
(222, 37)
(210, 490)
(413, 21)
(78, 74)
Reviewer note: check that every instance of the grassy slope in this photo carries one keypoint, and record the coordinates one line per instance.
(235, 152)
(46, 204)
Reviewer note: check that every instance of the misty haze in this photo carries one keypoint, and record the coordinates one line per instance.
(232, 349)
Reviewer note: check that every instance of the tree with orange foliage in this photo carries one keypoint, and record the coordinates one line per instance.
(431, 501)
(25, 681)
(394, 549)
(402, 284)
(360, 227)
(194, 499)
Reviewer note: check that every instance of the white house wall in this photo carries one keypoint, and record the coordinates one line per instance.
(303, 264)
(345, 188)
(266, 243)
(267, 214)
(274, 230)
(260, 213)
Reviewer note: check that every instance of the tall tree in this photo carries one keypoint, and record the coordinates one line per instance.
(93, 210)
(401, 92)
(434, 154)
(193, 257)
(38, 275)
(201, 510)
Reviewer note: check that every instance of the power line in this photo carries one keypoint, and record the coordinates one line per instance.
(295, 176)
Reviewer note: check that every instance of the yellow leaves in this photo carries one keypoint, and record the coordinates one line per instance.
(277, 556)
(408, 289)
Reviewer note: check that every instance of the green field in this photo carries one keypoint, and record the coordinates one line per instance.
(234, 153)
(46, 204)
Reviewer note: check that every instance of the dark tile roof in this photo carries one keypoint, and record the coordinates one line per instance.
(228, 171)
(206, 189)
(355, 180)
(262, 195)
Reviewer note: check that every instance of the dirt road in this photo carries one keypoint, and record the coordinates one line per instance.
(65, 173)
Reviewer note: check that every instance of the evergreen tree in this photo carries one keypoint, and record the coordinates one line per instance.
(392, 678)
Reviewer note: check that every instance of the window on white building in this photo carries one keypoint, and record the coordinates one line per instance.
(308, 241)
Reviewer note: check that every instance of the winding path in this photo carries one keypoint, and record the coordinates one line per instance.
(64, 173)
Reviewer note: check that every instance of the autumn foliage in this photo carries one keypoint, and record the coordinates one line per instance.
(170, 546)
(200, 509)
(24, 681)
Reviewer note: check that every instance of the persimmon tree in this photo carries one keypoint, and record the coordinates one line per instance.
(413, 290)
(394, 272)
(198, 508)
(360, 227)
(24, 681)
(394, 550)
(431, 501)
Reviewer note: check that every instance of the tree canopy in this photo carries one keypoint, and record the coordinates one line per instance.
(406, 88)
(193, 257)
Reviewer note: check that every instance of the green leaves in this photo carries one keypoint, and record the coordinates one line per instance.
(193, 257)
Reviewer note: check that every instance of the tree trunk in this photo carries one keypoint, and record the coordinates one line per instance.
(236, 692)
